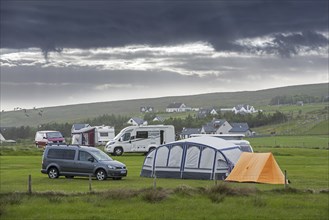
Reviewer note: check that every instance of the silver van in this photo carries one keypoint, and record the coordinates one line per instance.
(72, 160)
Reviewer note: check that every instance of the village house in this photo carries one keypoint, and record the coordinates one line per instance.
(240, 128)
(216, 126)
(202, 113)
(240, 109)
(177, 107)
(187, 132)
(136, 121)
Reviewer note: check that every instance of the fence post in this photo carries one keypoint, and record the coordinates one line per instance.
(30, 184)
(155, 182)
(90, 189)
(285, 179)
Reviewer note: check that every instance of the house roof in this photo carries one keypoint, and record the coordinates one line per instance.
(189, 131)
(138, 121)
(239, 127)
(158, 118)
(175, 105)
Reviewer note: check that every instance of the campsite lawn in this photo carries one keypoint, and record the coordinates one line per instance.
(134, 197)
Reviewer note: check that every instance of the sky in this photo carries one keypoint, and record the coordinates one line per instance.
(56, 52)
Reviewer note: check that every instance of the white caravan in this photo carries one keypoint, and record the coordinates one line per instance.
(232, 138)
(140, 139)
(93, 136)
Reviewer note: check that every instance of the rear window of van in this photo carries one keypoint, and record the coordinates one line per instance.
(64, 154)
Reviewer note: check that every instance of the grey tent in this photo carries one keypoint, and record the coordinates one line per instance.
(192, 158)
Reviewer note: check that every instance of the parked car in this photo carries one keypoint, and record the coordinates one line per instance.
(43, 138)
(72, 160)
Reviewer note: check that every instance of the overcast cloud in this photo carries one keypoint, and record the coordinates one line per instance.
(81, 51)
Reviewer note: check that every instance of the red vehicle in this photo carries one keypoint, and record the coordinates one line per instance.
(43, 138)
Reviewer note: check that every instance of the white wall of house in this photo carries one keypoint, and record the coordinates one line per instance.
(224, 129)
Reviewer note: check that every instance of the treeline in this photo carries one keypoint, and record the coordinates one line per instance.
(293, 100)
(119, 122)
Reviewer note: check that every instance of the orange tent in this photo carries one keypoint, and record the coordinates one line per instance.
(257, 167)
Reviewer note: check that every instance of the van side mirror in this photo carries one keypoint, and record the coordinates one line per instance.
(91, 159)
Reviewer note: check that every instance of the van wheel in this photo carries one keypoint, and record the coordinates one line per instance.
(53, 173)
(118, 151)
(100, 174)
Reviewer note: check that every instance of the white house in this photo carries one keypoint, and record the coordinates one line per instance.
(240, 109)
(177, 107)
(136, 121)
(216, 126)
(243, 109)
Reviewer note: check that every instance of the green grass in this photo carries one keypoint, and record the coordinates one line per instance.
(134, 197)
(307, 141)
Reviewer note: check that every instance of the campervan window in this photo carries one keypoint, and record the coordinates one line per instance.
(141, 134)
(126, 136)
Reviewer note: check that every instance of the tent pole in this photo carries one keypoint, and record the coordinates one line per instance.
(155, 182)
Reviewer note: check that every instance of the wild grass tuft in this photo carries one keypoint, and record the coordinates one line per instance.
(185, 190)
(120, 194)
(223, 188)
(155, 195)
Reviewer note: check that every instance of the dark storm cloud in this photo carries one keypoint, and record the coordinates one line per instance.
(53, 25)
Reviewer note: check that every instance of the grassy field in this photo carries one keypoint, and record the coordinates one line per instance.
(135, 198)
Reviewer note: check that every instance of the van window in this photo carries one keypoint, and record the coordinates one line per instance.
(61, 154)
(84, 156)
(141, 134)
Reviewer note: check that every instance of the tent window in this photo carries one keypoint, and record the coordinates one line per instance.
(221, 162)
(232, 154)
(175, 157)
(207, 158)
(162, 157)
(149, 159)
(192, 157)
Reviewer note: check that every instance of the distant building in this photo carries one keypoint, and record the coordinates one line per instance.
(202, 113)
(216, 126)
(158, 118)
(177, 107)
(144, 109)
(136, 121)
(240, 109)
(186, 132)
(240, 128)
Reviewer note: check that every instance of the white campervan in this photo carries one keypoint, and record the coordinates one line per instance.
(236, 139)
(140, 139)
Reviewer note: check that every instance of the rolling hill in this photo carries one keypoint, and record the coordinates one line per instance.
(79, 112)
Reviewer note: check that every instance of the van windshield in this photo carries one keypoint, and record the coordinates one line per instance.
(100, 155)
(56, 134)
